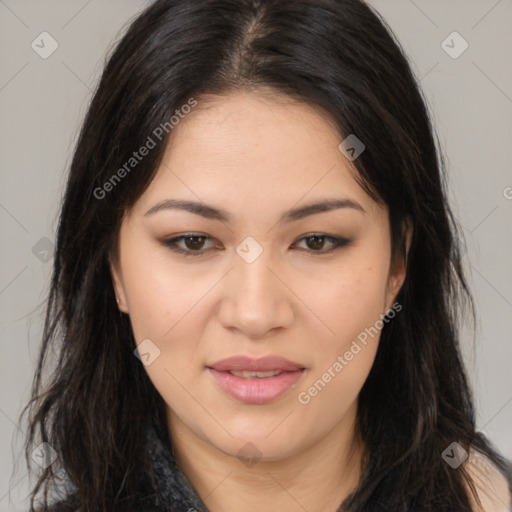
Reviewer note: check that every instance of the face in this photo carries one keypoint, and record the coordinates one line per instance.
(253, 272)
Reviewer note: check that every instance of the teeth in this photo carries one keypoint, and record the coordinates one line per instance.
(250, 375)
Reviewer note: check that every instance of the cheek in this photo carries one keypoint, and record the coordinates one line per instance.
(350, 301)
(165, 307)
(351, 306)
(159, 295)
(170, 305)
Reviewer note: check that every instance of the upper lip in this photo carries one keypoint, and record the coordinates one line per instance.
(264, 364)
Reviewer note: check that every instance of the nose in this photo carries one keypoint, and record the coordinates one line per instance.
(256, 299)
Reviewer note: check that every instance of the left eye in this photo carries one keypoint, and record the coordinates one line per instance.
(194, 244)
(317, 241)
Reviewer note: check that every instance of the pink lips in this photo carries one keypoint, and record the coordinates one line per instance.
(256, 390)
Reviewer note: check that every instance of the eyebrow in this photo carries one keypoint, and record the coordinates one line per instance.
(213, 213)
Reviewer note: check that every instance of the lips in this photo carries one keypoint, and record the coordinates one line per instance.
(264, 364)
(255, 381)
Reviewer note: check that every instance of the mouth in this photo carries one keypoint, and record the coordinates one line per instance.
(252, 381)
(263, 364)
(254, 387)
(256, 375)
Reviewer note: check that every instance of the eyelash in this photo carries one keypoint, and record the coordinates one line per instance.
(338, 242)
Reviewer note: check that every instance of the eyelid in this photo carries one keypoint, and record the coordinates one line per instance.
(337, 242)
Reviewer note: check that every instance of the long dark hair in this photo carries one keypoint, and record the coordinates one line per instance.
(341, 57)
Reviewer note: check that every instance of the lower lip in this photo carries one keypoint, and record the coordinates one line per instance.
(256, 391)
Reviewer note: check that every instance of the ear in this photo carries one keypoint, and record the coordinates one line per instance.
(397, 275)
(117, 281)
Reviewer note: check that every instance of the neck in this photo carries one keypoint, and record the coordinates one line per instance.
(317, 478)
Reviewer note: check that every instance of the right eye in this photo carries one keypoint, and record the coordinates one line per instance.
(192, 244)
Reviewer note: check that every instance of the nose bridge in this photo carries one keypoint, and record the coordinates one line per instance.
(256, 300)
(256, 283)
(255, 278)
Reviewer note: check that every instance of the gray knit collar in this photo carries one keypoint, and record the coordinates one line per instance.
(175, 493)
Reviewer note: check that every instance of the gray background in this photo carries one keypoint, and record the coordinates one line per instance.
(42, 102)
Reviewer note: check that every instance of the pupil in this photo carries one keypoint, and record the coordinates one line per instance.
(317, 242)
(197, 245)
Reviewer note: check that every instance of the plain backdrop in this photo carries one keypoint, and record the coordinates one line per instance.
(43, 101)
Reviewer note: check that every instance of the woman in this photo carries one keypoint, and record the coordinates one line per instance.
(257, 278)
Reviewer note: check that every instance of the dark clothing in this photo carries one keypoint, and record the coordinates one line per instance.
(174, 490)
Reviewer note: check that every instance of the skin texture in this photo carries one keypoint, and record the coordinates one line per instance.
(257, 157)
(490, 484)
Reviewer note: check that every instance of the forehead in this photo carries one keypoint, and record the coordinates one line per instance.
(245, 148)
(245, 124)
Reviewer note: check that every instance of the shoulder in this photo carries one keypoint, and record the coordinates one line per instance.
(490, 484)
